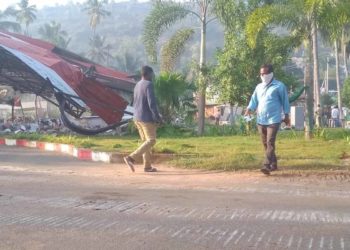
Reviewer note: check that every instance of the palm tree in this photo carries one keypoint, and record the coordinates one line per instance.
(345, 42)
(174, 94)
(96, 11)
(128, 62)
(8, 25)
(53, 33)
(334, 23)
(99, 51)
(166, 13)
(344, 8)
(173, 48)
(25, 14)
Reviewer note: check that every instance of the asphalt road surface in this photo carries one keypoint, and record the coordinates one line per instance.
(52, 201)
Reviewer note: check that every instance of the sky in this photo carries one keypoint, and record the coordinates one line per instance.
(41, 3)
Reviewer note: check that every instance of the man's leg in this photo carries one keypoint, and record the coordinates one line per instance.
(271, 139)
(149, 134)
(150, 130)
(263, 134)
(130, 160)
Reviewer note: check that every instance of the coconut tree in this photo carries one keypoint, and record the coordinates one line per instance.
(53, 33)
(99, 50)
(8, 25)
(165, 14)
(96, 11)
(25, 14)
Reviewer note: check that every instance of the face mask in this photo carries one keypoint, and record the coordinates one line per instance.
(266, 79)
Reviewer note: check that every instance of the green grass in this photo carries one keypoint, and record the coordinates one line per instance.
(324, 152)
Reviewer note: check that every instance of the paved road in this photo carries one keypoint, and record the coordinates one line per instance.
(50, 201)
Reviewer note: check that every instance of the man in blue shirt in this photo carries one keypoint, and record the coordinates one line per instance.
(269, 100)
(146, 119)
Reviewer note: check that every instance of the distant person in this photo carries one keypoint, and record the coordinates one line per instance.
(269, 99)
(146, 118)
(318, 116)
(217, 116)
(335, 117)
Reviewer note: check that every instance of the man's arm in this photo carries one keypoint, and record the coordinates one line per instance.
(285, 104)
(152, 103)
(253, 104)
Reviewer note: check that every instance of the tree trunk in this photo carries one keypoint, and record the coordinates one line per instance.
(338, 80)
(315, 62)
(13, 111)
(202, 79)
(344, 54)
(309, 122)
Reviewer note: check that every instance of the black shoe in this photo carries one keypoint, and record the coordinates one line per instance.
(130, 162)
(150, 169)
(273, 168)
(265, 170)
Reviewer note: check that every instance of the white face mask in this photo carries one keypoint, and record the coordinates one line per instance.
(266, 79)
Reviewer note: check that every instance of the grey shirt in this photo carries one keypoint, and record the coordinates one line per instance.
(145, 103)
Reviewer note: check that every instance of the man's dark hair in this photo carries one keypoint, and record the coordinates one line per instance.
(268, 67)
(146, 71)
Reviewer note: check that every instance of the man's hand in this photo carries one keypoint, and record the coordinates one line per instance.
(286, 120)
(160, 122)
(247, 112)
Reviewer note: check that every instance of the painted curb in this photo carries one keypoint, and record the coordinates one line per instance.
(80, 153)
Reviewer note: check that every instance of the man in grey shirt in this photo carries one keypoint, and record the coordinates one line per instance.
(146, 118)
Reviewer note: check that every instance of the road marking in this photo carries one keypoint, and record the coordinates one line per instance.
(268, 241)
(88, 223)
(125, 231)
(299, 242)
(185, 233)
(275, 215)
(342, 243)
(290, 242)
(230, 238)
(259, 239)
(239, 238)
(154, 229)
(321, 242)
(222, 234)
(280, 241)
(211, 214)
(191, 212)
(250, 237)
(331, 243)
(204, 234)
(179, 231)
(310, 243)
(305, 216)
(234, 214)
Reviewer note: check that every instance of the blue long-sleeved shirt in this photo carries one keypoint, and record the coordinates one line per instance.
(269, 102)
(145, 104)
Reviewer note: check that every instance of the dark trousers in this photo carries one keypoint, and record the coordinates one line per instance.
(268, 137)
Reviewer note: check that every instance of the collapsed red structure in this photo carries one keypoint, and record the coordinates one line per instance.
(71, 82)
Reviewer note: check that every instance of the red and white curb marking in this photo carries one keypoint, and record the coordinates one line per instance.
(80, 153)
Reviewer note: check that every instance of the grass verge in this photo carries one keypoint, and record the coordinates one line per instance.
(328, 151)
